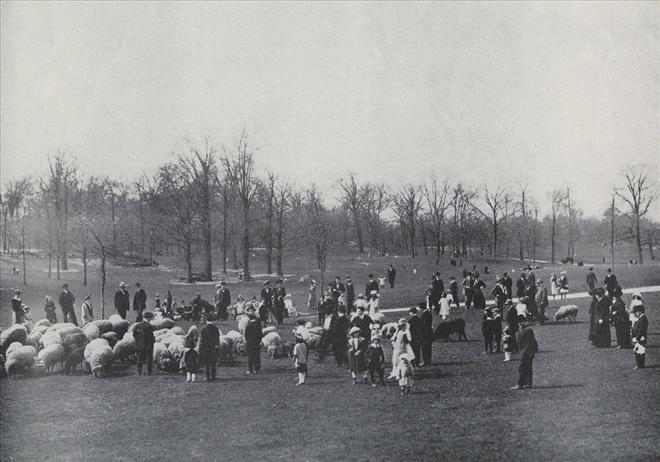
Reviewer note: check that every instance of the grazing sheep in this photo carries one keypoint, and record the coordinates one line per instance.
(98, 355)
(271, 338)
(111, 337)
(124, 347)
(268, 330)
(162, 323)
(41, 329)
(91, 331)
(67, 329)
(71, 341)
(569, 312)
(15, 333)
(51, 355)
(73, 360)
(34, 339)
(103, 325)
(119, 324)
(20, 359)
(50, 338)
(234, 336)
(14, 346)
(226, 349)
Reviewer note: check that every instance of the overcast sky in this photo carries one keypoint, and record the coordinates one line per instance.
(545, 94)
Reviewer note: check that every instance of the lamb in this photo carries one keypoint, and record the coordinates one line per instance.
(34, 339)
(73, 340)
(125, 347)
(270, 341)
(20, 358)
(51, 355)
(569, 312)
(15, 333)
(98, 355)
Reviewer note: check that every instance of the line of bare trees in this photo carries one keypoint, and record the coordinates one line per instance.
(208, 201)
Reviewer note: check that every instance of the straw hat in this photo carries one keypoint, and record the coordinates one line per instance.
(353, 331)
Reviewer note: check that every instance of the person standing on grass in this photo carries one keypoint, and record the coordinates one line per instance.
(426, 319)
(209, 343)
(357, 348)
(477, 293)
(563, 285)
(143, 333)
(528, 348)
(312, 297)
(372, 289)
(337, 289)
(253, 335)
(416, 336)
(391, 275)
(467, 290)
(278, 302)
(67, 299)
(521, 285)
(169, 300)
(602, 336)
(640, 333)
(363, 322)
(17, 307)
(592, 280)
(376, 362)
(508, 285)
(222, 301)
(621, 321)
(122, 300)
(453, 290)
(499, 292)
(339, 337)
(350, 294)
(554, 286)
(541, 301)
(49, 307)
(300, 355)
(610, 282)
(86, 311)
(266, 302)
(511, 318)
(139, 301)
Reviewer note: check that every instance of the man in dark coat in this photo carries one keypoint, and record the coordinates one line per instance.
(267, 302)
(222, 301)
(350, 294)
(122, 300)
(592, 280)
(640, 334)
(278, 302)
(372, 286)
(416, 335)
(339, 337)
(337, 289)
(139, 301)
(467, 290)
(209, 343)
(528, 349)
(253, 341)
(391, 275)
(592, 313)
(17, 307)
(521, 285)
(363, 322)
(143, 334)
(427, 334)
(610, 282)
(438, 287)
(67, 300)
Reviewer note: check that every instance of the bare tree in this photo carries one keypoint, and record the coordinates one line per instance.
(317, 229)
(407, 205)
(461, 207)
(271, 179)
(353, 201)
(437, 201)
(281, 203)
(62, 175)
(639, 192)
(558, 199)
(240, 169)
(494, 201)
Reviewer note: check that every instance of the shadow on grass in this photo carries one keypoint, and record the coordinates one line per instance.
(562, 323)
(552, 387)
(455, 363)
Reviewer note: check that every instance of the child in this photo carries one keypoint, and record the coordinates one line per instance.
(507, 343)
(376, 360)
(189, 364)
(300, 354)
(405, 374)
(639, 334)
(356, 355)
(444, 305)
(290, 307)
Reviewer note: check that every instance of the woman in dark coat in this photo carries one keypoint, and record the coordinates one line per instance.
(602, 336)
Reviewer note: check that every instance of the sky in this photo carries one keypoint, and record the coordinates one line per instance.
(545, 95)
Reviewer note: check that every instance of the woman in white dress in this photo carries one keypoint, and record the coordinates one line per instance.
(444, 305)
(554, 285)
(400, 344)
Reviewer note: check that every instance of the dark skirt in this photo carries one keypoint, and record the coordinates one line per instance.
(602, 337)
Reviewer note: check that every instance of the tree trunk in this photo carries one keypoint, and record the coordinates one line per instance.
(424, 241)
(103, 279)
(142, 242)
(207, 229)
(23, 248)
(358, 230)
(553, 237)
(84, 262)
(650, 244)
(280, 242)
(188, 258)
(57, 258)
(269, 230)
(114, 224)
(638, 239)
(225, 217)
(65, 236)
(495, 226)
(246, 243)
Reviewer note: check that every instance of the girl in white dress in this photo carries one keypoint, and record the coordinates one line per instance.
(554, 285)
(400, 344)
(444, 306)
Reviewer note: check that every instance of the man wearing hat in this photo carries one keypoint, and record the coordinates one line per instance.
(542, 301)
(209, 343)
(639, 335)
(222, 300)
(17, 307)
(528, 349)
(592, 280)
(253, 335)
(610, 282)
(67, 300)
(391, 275)
(357, 348)
(602, 336)
(122, 300)
(363, 322)
(416, 335)
(266, 302)
(426, 319)
(278, 302)
(139, 301)
(350, 294)
(143, 334)
(337, 289)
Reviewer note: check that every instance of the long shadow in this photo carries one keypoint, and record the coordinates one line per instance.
(562, 323)
(552, 387)
(455, 363)
(655, 366)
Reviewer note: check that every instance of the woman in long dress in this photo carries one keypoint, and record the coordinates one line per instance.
(400, 344)
(554, 286)
(312, 297)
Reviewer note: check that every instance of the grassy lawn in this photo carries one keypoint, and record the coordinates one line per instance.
(589, 404)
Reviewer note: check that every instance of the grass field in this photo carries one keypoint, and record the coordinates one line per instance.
(588, 405)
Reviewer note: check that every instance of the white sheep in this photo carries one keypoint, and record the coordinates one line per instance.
(103, 325)
(268, 330)
(271, 338)
(162, 323)
(91, 331)
(119, 324)
(20, 359)
(34, 339)
(50, 338)
(177, 330)
(124, 347)
(98, 355)
(13, 346)
(51, 355)
(567, 311)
